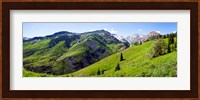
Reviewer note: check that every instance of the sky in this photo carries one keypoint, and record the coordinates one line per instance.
(33, 29)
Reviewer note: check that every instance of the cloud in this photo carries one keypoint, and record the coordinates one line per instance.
(139, 30)
(158, 31)
(111, 30)
(174, 31)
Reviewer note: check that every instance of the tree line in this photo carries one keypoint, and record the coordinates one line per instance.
(160, 47)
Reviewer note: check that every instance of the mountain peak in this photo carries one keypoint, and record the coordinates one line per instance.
(61, 32)
(103, 31)
(153, 33)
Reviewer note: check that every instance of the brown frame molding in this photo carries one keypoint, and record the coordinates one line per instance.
(7, 6)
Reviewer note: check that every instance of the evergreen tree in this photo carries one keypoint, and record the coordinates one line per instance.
(176, 34)
(121, 57)
(98, 72)
(168, 47)
(103, 71)
(167, 35)
(117, 67)
(159, 36)
(172, 40)
(175, 44)
(169, 39)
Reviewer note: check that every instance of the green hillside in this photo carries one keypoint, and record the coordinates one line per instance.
(136, 63)
(65, 52)
(27, 73)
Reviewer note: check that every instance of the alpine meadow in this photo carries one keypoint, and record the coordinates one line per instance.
(98, 49)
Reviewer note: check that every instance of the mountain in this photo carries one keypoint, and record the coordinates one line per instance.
(135, 63)
(25, 38)
(65, 52)
(137, 38)
(122, 39)
(153, 35)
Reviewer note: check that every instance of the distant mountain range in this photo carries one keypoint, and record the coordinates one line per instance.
(137, 38)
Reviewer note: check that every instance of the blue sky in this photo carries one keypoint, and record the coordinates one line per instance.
(125, 29)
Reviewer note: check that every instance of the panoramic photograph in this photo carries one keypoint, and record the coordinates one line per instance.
(99, 49)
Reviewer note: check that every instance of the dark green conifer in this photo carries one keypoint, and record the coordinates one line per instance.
(117, 67)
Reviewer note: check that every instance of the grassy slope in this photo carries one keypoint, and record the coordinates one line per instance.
(43, 54)
(31, 74)
(136, 64)
(76, 49)
(116, 47)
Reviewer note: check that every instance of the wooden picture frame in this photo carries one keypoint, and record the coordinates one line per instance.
(192, 6)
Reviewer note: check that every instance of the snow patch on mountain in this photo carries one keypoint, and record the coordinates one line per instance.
(135, 38)
(122, 39)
